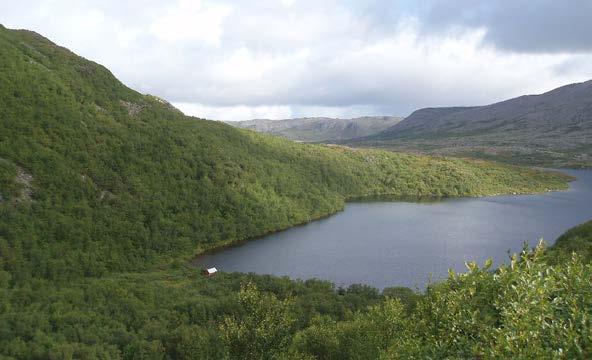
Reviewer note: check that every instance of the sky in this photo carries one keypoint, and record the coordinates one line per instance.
(238, 60)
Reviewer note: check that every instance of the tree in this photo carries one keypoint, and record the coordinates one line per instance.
(264, 328)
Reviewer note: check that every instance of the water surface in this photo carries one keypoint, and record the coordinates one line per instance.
(401, 243)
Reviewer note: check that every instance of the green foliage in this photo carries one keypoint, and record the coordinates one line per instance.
(405, 295)
(170, 314)
(362, 337)
(8, 187)
(101, 185)
(577, 239)
(524, 310)
(121, 181)
(262, 332)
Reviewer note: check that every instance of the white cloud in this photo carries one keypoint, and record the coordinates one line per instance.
(244, 65)
(236, 60)
(126, 37)
(241, 112)
(189, 20)
(288, 3)
(444, 70)
(234, 113)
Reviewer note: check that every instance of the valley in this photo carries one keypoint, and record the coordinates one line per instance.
(134, 182)
(107, 195)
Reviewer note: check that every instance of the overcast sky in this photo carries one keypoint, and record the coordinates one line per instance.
(235, 60)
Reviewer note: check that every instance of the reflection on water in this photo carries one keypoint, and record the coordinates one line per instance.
(401, 243)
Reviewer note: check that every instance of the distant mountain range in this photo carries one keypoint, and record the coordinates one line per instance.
(320, 129)
(551, 129)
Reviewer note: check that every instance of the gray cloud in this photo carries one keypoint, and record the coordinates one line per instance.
(518, 25)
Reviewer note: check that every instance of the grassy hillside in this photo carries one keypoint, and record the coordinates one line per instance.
(97, 177)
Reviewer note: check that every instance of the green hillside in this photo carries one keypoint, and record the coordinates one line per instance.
(577, 239)
(97, 177)
(105, 193)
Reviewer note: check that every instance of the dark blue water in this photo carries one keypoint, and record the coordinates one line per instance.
(401, 243)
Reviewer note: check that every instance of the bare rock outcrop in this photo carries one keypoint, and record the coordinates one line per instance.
(133, 109)
(25, 180)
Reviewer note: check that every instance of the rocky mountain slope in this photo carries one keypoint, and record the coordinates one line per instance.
(320, 129)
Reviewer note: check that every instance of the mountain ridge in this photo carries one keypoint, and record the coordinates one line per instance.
(319, 129)
(553, 128)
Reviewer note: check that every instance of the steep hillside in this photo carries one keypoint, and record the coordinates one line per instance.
(320, 129)
(553, 129)
(97, 177)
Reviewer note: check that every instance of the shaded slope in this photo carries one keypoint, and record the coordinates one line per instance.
(419, 120)
(554, 128)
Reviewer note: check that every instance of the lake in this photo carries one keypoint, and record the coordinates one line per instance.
(405, 243)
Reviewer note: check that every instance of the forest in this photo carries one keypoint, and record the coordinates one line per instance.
(105, 194)
(539, 306)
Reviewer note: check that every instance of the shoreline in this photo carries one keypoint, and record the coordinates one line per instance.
(372, 198)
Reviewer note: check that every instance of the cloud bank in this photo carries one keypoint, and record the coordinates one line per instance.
(235, 60)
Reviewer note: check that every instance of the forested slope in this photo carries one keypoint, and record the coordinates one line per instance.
(96, 177)
(528, 309)
(104, 193)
